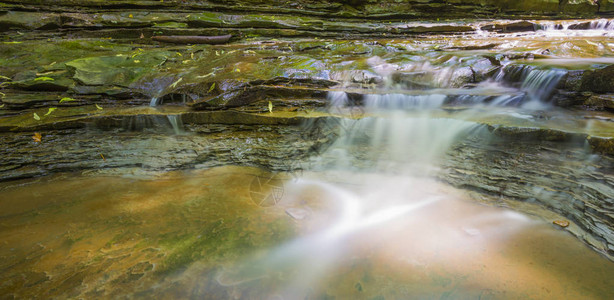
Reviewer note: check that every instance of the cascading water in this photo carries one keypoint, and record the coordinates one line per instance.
(539, 84)
(602, 24)
(176, 123)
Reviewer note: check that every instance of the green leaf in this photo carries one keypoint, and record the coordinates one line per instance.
(51, 109)
(44, 78)
(270, 107)
(36, 117)
(211, 88)
(1, 106)
(67, 99)
(98, 106)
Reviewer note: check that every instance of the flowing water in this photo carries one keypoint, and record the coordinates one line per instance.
(366, 219)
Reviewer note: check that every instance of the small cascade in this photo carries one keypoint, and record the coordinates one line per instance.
(513, 73)
(176, 123)
(539, 84)
(398, 143)
(337, 99)
(602, 24)
(401, 101)
(155, 101)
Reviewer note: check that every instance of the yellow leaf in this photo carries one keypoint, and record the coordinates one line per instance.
(104, 159)
(270, 107)
(178, 53)
(192, 55)
(44, 79)
(130, 16)
(238, 70)
(98, 106)
(136, 61)
(66, 99)
(37, 137)
(176, 82)
(211, 88)
(36, 117)
(1, 106)
(217, 53)
(51, 109)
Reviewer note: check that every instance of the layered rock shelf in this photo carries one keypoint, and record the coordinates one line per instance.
(90, 86)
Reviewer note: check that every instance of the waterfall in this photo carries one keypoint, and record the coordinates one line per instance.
(401, 101)
(602, 24)
(176, 123)
(154, 101)
(539, 84)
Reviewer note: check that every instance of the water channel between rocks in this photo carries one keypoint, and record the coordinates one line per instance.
(308, 167)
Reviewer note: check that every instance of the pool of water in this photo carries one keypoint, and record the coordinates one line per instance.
(243, 233)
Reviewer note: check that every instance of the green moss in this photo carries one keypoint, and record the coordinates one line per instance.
(172, 25)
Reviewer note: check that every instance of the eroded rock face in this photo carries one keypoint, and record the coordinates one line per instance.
(81, 74)
(565, 179)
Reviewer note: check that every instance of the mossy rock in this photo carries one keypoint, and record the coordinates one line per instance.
(119, 70)
(599, 81)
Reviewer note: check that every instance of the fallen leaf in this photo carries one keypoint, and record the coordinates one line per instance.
(1, 106)
(66, 99)
(211, 88)
(176, 82)
(51, 109)
(37, 137)
(270, 107)
(217, 53)
(44, 78)
(561, 223)
(36, 117)
(136, 61)
(142, 36)
(130, 16)
(103, 157)
(98, 106)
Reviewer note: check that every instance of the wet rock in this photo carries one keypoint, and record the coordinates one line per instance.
(44, 83)
(573, 80)
(120, 70)
(511, 27)
(599, 102)
(580, 26)
(252, 94)
(599, 81)
(27, 20)
(462, 76)
(236, 94)
(21, 100)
